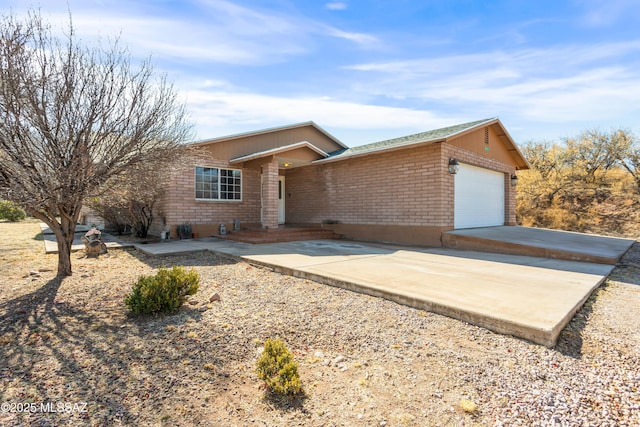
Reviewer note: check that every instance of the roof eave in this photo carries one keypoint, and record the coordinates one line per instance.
(268, 130)
(514, 146)
(279, 150)
(381, 150)
(509, 140)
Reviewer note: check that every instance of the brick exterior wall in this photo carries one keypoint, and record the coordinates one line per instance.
(403, 187)
(405, 195)
(180, 205)
(409, 187)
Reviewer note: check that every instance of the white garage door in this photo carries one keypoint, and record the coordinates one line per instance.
(479, 197)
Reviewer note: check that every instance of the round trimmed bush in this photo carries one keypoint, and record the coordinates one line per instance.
(163, 293)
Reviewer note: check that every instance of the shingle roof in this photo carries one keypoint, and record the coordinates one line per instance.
(270, 130)
(432, 135)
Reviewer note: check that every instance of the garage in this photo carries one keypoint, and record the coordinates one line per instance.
(478, 197)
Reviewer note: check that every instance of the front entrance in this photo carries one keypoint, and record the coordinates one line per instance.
(281, 196)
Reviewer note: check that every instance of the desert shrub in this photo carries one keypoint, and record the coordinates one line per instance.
(11, 212)
(278, 369)
(163, 293)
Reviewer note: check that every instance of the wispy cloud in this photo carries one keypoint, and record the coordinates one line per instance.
(336, 5)
(243, 65)
(206, 30)
(359, 38)
(230, 110)
(559, 83)
(601, 13)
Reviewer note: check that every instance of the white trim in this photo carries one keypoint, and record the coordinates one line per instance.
(281, 200)
(412, 143)
(277, 150)
(488, 122)
(339, 157)
(270, 130)
(219, 176)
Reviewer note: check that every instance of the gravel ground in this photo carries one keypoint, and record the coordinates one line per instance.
(71, 355)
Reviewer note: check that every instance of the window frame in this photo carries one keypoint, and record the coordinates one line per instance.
(219, 184)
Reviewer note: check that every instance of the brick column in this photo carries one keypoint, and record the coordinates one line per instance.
(270, 194)
(509, 201)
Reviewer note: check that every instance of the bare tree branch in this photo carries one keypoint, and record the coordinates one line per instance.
(74, 117)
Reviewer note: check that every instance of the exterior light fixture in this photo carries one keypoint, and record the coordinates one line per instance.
(453, 166)
(514, 180)
(288, 165)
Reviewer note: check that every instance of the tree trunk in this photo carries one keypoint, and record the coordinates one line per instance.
(64, 253)
(65, 241)
(64, 232)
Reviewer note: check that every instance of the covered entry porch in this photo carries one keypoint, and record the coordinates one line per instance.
(273, 165)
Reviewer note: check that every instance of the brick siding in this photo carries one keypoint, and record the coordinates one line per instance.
(398, 188)
(409, 187)
(180, 205)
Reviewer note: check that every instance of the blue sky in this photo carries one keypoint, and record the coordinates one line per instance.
(371, 70)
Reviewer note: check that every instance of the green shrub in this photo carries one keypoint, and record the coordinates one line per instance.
(278, 369)
(163, 293)
(11, 212)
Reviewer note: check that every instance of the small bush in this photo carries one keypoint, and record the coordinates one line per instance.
(163, 293)
(11, 212)
(278, 369)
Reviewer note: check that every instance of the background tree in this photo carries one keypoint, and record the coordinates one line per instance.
(548, 175)
(593, 153)
(588, 183)
(72, 118)
(130, 201)
(630, 158)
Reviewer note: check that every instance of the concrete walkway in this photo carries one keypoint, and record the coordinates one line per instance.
(528, 297)
(539, 242)
(51, 246)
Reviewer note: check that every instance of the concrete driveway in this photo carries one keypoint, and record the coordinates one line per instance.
(528, 297)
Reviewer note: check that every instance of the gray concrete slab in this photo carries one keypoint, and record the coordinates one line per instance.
(51, 246)
(541, 242)
(528, 297)
(80, 228)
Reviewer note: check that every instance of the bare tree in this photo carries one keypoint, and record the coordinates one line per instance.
(131, 200)
(629, 158)
(73, 117)
(594, 152)
(549, 174)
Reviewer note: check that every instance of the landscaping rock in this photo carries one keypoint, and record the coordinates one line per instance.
(93, 245)
(339, 359)
(78, 343)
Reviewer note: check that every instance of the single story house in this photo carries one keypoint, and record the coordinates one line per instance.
(405, 190)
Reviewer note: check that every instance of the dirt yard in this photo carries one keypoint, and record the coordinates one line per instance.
(71, 355)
